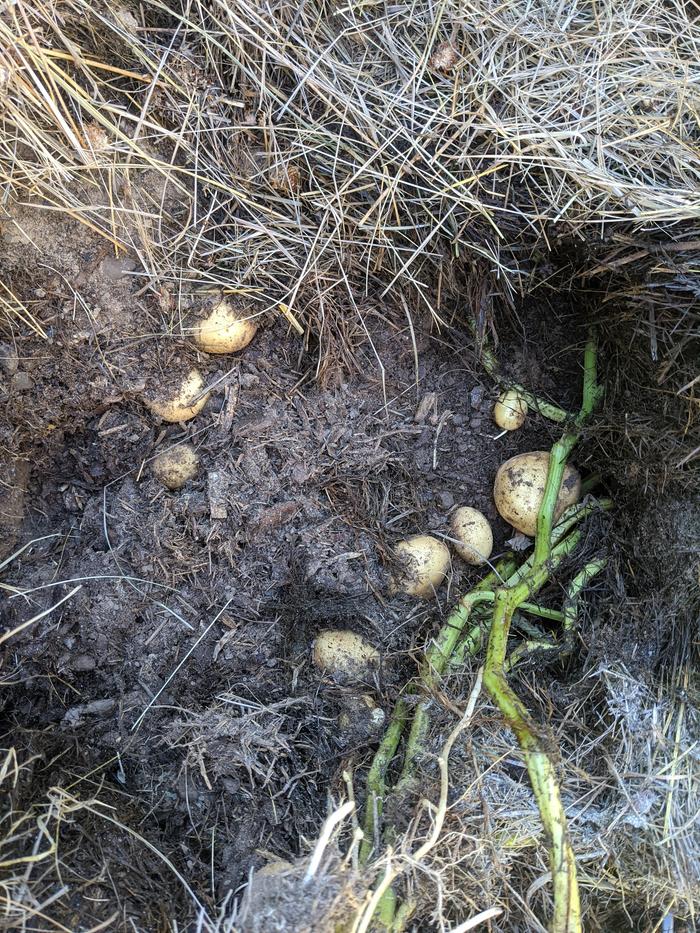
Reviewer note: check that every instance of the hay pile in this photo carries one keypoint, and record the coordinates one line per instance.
(450, 159)
(320, 150)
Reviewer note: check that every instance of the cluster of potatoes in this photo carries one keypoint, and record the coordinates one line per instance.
(223, 331)
(424, 560)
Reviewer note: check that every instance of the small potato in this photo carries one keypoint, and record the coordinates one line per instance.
(225, 330)
(344, 653)
(181, 405)
(174, 467)
(519, 488)
(424, 564)
(510, 411)
(473, 538)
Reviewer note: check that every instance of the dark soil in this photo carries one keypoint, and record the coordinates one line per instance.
(175, 687)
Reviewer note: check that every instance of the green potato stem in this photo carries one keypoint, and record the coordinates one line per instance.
(566, 916)
(508, 589)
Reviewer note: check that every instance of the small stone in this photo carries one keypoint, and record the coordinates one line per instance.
(476, 397)
(8, 359)
(445, 57)
(446, 499)
(428, 405)
(217, 489)
(114, 269)
(22, 382)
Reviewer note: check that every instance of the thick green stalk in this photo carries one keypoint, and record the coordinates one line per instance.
(568, 616)
(376, 777)
(567, 910)
(535, 403)
(560, 454)
(436, 658)
(573, 594)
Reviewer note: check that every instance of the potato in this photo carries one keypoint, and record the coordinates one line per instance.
(225, 330)
(510, 410)
(344, 653)
(424, 563)
(519, 488)
(174, 467)
(473, 538)
(181, 405)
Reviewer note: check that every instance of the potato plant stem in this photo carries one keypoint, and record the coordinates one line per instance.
(508, 589)
(534, 402)
(541, 768)
(568, 617)
(376, 777)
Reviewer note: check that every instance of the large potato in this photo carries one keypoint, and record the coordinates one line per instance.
(471, 535)
(184, 403)
(519, 488)
(225, 330)
(423, 563)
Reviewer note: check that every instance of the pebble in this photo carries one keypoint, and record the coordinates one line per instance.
(476, 397)
(22, 382)
(446, 499)
(8, 359)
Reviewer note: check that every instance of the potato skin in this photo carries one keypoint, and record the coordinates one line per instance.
(424, 564)
(345, 654)
(519, 488)
(472, 535)
(510, 411)
(174, 467)
(224, 330)
(181, 406)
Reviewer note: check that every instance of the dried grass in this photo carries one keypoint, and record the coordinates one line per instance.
(630, 783)
(321, 151)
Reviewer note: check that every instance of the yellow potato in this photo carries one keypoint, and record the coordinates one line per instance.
(519, 488)
(472, 535)
(225, 330)
(174, 467)
(424, 564)
(342, 652)
(181, 405)
(510, 411)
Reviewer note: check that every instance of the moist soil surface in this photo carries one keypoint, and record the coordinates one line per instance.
(175, 686)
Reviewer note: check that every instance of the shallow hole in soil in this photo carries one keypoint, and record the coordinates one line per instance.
(179, 675)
